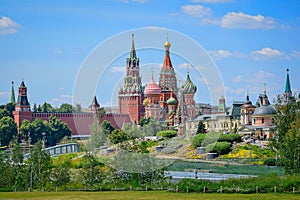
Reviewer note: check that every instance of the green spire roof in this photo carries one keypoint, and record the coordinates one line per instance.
(132, 50)
(287, 84)
(12, 96)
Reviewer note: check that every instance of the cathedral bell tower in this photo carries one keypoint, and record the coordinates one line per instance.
(22, 108)
(131, 96)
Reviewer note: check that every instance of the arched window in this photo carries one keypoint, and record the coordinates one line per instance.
(262, 120)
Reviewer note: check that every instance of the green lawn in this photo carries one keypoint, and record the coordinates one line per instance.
(161, 195)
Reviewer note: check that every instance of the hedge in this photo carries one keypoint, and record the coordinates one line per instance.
(167, 133)
(220, 148)
(209, 138)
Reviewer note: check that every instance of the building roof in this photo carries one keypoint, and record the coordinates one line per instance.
(152, 87)
(188, 86)
(287, 84)
(265, 110)
(171, 101)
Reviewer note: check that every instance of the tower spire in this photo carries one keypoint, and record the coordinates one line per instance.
(287, 84)
(265, 89)
(288, 91)
(132, 50)
(12, 95)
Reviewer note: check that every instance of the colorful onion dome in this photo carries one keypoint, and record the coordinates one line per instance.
(167, 43)
(152, 88)
(171, 101)
(188, 86)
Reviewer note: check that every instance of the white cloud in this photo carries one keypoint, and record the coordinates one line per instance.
(295, 54)
(118, 69)
(58, 51)
(245, 21)
(8, 26)
(212, 1)
(219, 54)
(64, 98)
(259, 77)
(266, 53)
(196, 10)
(4, 94)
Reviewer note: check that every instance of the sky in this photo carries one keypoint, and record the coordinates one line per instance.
(48, 44)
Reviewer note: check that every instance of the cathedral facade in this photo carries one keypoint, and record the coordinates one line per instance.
(163, 101)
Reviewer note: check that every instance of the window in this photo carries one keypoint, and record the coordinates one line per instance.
(254, 121)
(262, 120)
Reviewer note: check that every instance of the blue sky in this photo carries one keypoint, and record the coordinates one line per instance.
(251, 42)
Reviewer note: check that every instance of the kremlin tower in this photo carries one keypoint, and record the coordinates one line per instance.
(131, 96)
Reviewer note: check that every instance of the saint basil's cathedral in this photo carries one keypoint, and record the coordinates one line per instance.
(164, 101)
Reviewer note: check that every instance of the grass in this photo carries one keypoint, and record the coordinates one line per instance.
(140, 195)
(227, 169)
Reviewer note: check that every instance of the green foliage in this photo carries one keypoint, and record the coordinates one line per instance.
(107, 127)
(10, 107)
(57, 131)
(4, 113)
(243, 185)
(231, 138)
(220, 148)
(167, 133)
(98, 136)
(61, 174)
(201, 127)
(41, 165)
(270, 162)
(171, 145)
(209, 138)
(8, 129)
(287, 140)
(118, 136)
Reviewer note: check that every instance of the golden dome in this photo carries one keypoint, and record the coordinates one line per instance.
(167, 43)
(145, 102)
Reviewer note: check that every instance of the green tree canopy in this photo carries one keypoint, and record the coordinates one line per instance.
(8, 129)
(57, 131)
(201, 127)
(287, 139)
(118, 136)
(41, 165)
(107, 127)
(98, 136)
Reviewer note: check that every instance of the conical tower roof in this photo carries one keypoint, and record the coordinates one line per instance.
(287, 84)
(12, 96)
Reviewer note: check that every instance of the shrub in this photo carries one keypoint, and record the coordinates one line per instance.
(167, 133)
(220, 148)
(270, 162)
(232, 137)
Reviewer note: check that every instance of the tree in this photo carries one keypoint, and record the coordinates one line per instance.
(287, 139)
(41, 165)
(65, 108)
(151, 128)
(91, 173)
(57, 131)
(24, 129)
(61, 174)
(10, 107)
(98, 136)
(107, 127)
(20, 169)
(201, 127)
(8, 129)
(35, 109)
(46, 108)
(118, 136)
(36, 129)
(4, 113)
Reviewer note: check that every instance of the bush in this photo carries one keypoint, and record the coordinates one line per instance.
(270, 162)
(167, 133)
(232, 137)
(220, 148)
(209, 138)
